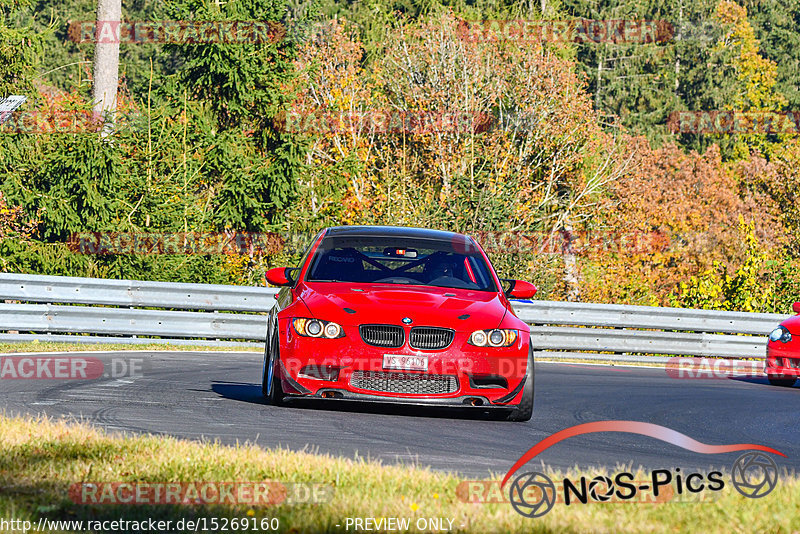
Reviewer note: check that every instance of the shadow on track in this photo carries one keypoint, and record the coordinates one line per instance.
(251, 393)
(239, 391)
(760, 380)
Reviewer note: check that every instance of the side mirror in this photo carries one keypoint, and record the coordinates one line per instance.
(520, 289)
(279, 276)
(796, 307)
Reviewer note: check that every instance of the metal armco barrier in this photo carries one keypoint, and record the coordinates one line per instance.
(132, 293)
(94, 310)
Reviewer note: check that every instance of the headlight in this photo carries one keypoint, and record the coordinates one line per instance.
(781, 334)
(493, 338)
(478, 338)
(332, 330)
(313, 328)
(316, 328)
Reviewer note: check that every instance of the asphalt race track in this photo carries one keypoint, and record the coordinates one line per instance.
(217, 395)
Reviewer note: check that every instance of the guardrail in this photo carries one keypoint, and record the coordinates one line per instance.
(619, 329)
(90, 310)
(9, 104)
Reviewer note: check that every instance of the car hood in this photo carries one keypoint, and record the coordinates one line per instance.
(462, 310)
(793, 324)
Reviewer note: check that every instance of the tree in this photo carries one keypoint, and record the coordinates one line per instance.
(524, 160)
(775, 23)
(20, 50)
(106, 59)
(640, 84)
(671, 216)
(241, 84)
(712, 62)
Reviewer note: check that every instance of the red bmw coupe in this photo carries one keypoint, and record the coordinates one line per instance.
(390, 314)
(783, 351)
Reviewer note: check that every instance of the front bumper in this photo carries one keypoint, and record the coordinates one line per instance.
(468, 401)
(783, 359)
(483, 377)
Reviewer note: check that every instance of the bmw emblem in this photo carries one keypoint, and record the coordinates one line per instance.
(407, 320)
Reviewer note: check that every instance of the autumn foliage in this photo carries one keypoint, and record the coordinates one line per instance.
(685, 209)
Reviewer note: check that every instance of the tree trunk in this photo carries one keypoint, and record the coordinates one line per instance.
(600, 66)
(678, 53)
(106, 60)
(572, 272)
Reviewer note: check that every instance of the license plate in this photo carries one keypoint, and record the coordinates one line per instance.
(404, 361)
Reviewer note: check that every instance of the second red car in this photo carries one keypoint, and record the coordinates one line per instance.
(783, 351)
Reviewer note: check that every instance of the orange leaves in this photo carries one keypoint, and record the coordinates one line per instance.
(525, 152)
(13, 221)
(693, 203)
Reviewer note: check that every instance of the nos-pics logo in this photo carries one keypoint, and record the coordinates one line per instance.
(533, 494)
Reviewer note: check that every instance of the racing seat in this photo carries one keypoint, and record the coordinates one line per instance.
(446, 266)
(341, 264)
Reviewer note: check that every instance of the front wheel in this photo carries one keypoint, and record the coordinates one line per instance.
(524, 411)
(271, 387)
(783, 382)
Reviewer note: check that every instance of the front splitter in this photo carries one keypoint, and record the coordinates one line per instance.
(466, 401)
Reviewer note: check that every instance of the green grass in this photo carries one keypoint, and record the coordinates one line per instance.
(41, 458)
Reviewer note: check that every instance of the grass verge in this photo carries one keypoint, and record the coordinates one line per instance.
(40, 459)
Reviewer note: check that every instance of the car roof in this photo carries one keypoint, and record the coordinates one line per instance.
(391, 231)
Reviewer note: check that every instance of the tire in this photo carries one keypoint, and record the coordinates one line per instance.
(271, 387)
(524, 411)
(783, 382)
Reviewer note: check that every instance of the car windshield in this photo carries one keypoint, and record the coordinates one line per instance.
(401, 260)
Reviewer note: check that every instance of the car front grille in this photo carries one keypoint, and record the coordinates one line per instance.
(382, 335)
(404, 383)
(430, 338)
